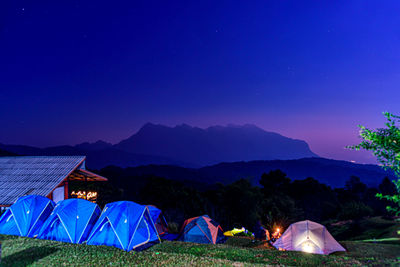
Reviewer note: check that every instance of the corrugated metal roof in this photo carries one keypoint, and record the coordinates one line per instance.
(39, 175)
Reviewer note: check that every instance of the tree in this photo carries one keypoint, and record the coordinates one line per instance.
(387, 187)
(275, 182)
(385, 145)
(356, 187)
(354, 210)
(176, 200)
(241, 204)
(318, 201)
(279, 207)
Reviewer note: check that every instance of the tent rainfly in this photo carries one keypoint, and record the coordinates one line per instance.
(71, 221)
(26, 216)
(125, 225)
(158, 219)
(202, 229)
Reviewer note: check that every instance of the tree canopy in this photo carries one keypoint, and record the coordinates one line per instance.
(385, 145)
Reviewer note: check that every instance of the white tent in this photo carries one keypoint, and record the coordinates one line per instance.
(308, 236)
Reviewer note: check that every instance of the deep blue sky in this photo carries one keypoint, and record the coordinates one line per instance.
(74, 71)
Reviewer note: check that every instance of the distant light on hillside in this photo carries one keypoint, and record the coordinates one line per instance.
(352, 161)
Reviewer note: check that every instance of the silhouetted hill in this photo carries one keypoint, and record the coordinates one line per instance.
(6, 153)
(99, 145)
(328, 171)
(96, 158)
(214, 144)
(111, 156)
(153, 147)
(182, 145)
(332, 172)
(21, 150)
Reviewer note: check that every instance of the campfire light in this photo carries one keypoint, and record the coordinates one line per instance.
(277, 234)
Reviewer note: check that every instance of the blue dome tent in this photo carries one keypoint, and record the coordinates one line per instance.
(125, 225)
(71, 221)
(26, 216)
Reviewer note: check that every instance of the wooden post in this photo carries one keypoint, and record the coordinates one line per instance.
(66, 190)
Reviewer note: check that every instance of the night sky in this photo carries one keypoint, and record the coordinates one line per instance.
(75, 71)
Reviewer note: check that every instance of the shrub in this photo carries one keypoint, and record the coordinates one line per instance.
(354, 210)
(173, 227)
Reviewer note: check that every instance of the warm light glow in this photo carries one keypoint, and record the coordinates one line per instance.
(91, 195)
(307, 247)
(277, 234)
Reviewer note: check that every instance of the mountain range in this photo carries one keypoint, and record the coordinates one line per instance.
(182, 145)
(331, 172)
(215, 154)
(214, 145)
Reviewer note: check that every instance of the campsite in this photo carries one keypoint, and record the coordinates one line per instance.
(78, 232)
(278, 221)
(81, 216)
(199, 133)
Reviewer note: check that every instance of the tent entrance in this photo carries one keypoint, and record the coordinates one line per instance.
(142, 234)
(106, 234)
(58, 194)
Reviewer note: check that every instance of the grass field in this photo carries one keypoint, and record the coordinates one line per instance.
(19, 251)
(374, 228)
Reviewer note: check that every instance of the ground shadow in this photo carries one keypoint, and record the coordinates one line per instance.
(27, 256)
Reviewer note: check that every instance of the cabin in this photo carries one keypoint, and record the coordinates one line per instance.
(48, 176)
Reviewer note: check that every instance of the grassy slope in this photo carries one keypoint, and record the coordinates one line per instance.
(365, 229)
(19, 251)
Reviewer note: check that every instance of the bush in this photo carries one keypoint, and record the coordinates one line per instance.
(354, 210)
(173, 228)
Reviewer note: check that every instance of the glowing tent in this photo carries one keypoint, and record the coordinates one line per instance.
(238, 232)
(26, 216)
(71, 221)
(308, 236)
(125, 225)
(202, 229)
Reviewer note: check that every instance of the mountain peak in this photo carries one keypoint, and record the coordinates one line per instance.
(243, 127)
(247, 125)
(149, 125)
(183, 126)
(213, 144)
(98, 145)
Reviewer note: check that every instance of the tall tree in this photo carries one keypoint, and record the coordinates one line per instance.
(279, 208)
(385, 145)
(356, 187)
